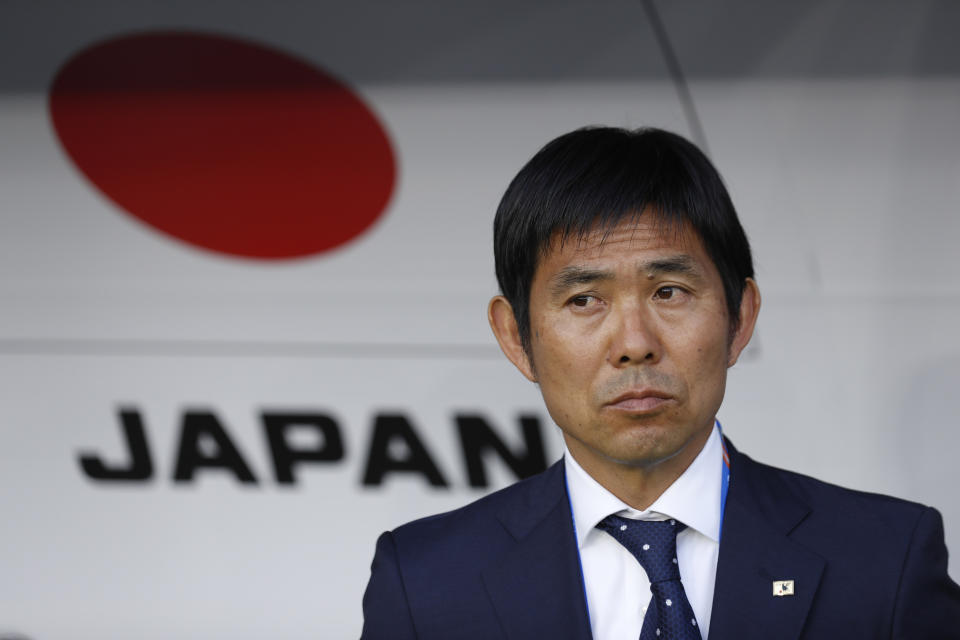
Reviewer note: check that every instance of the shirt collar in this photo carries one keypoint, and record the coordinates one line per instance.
(693, 498)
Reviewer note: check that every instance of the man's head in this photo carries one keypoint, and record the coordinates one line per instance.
(628, 292)
(595, 177)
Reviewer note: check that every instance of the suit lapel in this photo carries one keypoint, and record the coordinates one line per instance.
(537, 587)
(755, 551)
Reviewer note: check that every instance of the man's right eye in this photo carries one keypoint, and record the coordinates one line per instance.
(581, 301)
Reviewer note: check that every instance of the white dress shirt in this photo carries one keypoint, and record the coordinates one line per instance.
(618, 590)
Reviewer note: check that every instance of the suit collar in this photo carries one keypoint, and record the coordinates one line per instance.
(536, 587)
(756, 550)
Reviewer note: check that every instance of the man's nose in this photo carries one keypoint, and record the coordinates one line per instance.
(635, 338)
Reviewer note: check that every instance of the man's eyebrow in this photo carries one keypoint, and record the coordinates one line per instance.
(681, 264)
(573, 276)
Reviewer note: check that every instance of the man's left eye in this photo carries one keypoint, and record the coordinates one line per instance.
(667, 293)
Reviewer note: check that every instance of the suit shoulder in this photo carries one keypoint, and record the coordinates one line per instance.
(885, 557)
(842, 506)
(818, 491)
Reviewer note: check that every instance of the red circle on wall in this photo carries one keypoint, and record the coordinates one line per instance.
(224, 144)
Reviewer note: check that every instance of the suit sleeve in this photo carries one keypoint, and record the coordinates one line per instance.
(386, 614)
(928, 601)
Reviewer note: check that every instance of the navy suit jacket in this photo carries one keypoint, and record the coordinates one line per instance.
(507, 566)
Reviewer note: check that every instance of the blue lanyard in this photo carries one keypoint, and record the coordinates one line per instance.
(724, 479)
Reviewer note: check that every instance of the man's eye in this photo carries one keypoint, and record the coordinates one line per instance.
(581, 301)
(666, 293)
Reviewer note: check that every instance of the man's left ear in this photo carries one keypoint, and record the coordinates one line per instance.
(749, 310)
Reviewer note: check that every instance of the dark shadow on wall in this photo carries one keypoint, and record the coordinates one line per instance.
(498, 41)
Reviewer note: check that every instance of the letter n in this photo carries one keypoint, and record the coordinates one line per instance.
(477, 437)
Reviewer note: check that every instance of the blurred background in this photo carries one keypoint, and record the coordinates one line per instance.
(245, 254)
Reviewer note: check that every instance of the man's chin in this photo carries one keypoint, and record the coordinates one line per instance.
(653, 446)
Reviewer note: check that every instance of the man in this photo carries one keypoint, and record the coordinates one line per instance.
(627, 291)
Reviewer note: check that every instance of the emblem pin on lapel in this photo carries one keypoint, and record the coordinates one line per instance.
(783, 587)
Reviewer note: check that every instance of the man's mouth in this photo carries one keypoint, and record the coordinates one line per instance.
(640, 400)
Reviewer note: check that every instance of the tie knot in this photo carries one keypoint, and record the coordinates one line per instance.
(652, 543)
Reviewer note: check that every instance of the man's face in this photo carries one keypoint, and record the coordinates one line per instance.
(630, 344)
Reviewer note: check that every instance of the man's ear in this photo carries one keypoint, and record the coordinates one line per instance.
(504, 325)
(749, 310)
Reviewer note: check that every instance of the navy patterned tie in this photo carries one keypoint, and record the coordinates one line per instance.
(654, 544)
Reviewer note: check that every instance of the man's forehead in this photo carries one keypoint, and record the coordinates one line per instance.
(652, 234)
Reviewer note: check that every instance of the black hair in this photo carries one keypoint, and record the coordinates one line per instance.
(591, 179)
